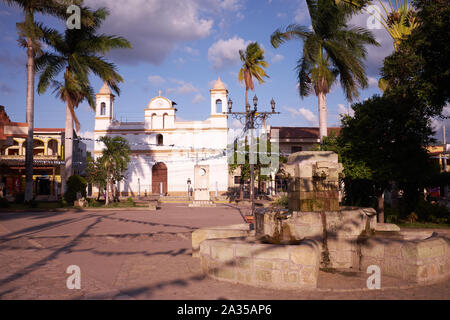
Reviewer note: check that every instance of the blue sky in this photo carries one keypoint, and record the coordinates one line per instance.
(179, 47)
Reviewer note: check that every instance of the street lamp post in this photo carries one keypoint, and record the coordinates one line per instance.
(189, 188)
(251, 119)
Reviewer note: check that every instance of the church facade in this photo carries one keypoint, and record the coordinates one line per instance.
(165, 150)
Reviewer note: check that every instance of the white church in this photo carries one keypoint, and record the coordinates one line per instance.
(164, 150)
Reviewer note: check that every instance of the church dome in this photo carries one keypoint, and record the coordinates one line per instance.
(219, 85)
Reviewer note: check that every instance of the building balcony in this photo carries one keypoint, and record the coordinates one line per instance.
(38, 160)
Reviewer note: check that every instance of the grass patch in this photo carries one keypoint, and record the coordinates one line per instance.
(425, 225)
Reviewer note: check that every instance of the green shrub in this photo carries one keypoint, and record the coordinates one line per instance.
(432, 212)
(4, 203)
(94, 203)
(131, 202)
(75, 184)
(282, 202)
(64, 203)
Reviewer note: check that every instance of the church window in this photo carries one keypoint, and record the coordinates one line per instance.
(159, 140)
(218, 105)
(103, 109)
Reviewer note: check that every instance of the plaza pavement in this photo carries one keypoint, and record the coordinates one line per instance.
(125, 254)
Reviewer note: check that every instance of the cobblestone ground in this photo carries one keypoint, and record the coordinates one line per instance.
(146, 255)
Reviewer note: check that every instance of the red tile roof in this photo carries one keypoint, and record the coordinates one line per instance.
(49, 130)
(302, 132)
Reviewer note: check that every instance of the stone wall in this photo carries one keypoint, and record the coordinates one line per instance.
(222, 232)
(250, 262)
(316, 183)
(420, 261)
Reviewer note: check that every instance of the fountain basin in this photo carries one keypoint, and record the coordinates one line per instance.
(222, 232)
(413, 256)
(248, 261)
(342, 228)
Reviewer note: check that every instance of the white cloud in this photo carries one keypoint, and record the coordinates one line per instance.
(198, 98)
(182, 88)
(231, 5)
(277, 58)
(372, 82)
(224, 53)
(191, 51)
(154, 26)
(342, 109)
(308, 115)
(156, 80)
(302, 14)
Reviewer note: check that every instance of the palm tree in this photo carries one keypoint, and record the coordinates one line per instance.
(399, 21)
(399, 18)
(330, 49)
(78, 53)
(30, 33)
(115, 158)
(253, 67)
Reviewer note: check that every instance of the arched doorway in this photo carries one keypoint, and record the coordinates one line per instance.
(159, 175)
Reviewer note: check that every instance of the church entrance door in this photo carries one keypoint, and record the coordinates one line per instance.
(159, 178)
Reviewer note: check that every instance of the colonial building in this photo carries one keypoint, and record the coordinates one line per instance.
(48, 155)
(165, 150)
(295, 139)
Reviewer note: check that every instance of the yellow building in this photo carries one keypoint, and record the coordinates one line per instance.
(48, 164)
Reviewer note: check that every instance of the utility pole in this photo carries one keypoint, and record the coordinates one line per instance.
(251, 118)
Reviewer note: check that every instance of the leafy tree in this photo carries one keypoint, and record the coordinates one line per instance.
(115, 158)
(426, 51)
(330, 50)
(75, 184)
(386, 138)
(95, 173)
(240, 147)
(78, 53)
(30, 34)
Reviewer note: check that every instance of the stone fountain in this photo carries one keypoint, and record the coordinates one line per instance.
(287, 248)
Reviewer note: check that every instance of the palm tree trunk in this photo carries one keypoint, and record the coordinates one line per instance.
(322, 115)
(381, 207)
(68, 145)
(30, 122)
(107, 193)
